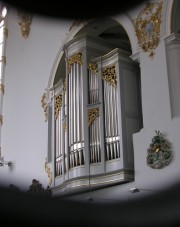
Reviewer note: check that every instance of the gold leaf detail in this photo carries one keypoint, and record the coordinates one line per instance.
(75, 58)
(58, 105)
(109, 75)
(92, 114)
(147, 27)
(93, 68)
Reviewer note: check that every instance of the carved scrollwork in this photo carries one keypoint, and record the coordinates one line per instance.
(92, 114)
(109, 75)
(75, 58)
(147, 27)
(93, 68)
(58, 105)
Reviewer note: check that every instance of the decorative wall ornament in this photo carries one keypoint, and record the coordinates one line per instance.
(2, 88)
(5, 32)
(147, 27)
(92, 114)
(159, 152)
(58, 104)
(77, 57)
(109, 75)
(24, 20)
(48, 171)
(3, 59)
(93, 68)
(44, 106)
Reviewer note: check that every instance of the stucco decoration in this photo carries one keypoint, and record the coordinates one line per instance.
(159, 152)
(147, 27)
(24, 20)
(44, 106)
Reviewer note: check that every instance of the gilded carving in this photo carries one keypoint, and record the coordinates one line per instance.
(2, 88)
(147, 27)
(24, 20)
(92, 114)
(44, 106)
(75, 58)
(93, 68)
(109, 75)
(48, 171)
(58, 105)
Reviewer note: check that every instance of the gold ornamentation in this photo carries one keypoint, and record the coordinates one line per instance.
(65, 126)
(48, 171)
(24, 20)
(93, 68)
(2, 88)
(58, 104)
(147, 27)
(3, 59)
(109, 75)
(92, 114)
(1, 119)
(77, 57)
(44, 106)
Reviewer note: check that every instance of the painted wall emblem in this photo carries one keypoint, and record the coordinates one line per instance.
(159, 152)
(147, 27)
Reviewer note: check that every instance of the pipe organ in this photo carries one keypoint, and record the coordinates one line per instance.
(96, 111)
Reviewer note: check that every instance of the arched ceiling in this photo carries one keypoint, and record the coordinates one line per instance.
(105, 29)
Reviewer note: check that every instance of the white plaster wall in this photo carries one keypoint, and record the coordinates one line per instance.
(24, 130)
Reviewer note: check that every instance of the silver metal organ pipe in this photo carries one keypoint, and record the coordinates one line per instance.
(82, 111)
(74, 101)
(77, 103)
(80, 107)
